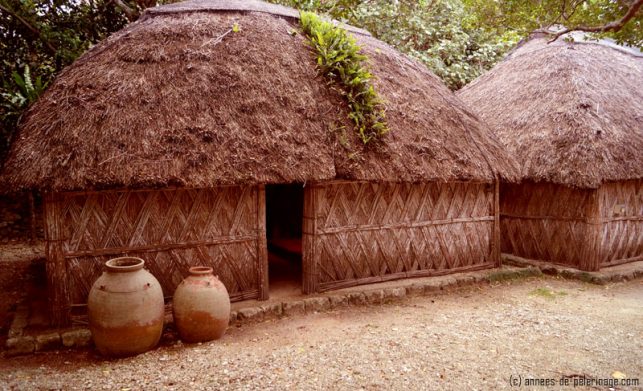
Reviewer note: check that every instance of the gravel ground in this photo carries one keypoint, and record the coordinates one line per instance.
(472, 338)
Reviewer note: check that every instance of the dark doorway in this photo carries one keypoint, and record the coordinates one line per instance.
(284, 217)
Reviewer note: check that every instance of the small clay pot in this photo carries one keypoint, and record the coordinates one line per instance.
(125, 308)
(201, 306)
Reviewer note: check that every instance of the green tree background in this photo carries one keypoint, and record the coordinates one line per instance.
(456, 39)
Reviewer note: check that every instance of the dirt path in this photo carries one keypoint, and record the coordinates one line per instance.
(473, 338)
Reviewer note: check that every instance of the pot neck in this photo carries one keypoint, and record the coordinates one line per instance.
(199, 271)
(124, 265)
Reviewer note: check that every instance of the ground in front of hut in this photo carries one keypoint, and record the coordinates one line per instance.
(476, 337)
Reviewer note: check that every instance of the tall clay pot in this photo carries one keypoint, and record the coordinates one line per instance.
(126, 309)
(201, 306)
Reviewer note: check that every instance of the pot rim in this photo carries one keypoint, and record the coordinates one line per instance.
(124, 264)
(200, 270)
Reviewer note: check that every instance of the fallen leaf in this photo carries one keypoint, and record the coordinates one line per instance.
(618, 375)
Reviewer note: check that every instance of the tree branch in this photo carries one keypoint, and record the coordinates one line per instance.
(612, 26)
(563, 14)
(52, 49)
(131, 14)
(575, 6)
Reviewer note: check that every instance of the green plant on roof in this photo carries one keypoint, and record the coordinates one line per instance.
(339, 59)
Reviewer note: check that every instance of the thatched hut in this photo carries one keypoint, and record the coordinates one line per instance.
(173, 138)
(572, 115)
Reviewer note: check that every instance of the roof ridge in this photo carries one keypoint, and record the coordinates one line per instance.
(215, 6)
(604, 43)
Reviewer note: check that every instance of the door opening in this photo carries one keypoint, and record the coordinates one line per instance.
(284, 219)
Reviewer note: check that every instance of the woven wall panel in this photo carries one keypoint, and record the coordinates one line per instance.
(544, 200)
(621, 206)
(170, 229)
(359, 203)
(364, 232)
(582, 228)
(545, 222)
(561, 242)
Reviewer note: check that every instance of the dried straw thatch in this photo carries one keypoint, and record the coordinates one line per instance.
(179, 99)
(571, 113)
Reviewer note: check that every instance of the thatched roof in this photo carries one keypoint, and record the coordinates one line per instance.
(571, 113)
(179, 99)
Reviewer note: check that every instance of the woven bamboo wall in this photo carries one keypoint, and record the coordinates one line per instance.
(550, 222)
(621, 208)
(358, 233)
(170, 229)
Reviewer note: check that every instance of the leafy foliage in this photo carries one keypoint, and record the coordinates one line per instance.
(524, 16)
(434, 32)
(460, 39)
(340, 60)
(28, 91)
(18, 96)
(22, 93)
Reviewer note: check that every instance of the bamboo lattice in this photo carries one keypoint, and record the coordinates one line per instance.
(621, 232)
(358, 232)
(549, 222)
(171, 230)
(583, 228)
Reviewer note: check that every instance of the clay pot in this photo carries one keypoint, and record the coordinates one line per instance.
(126, 308)
(201, 306)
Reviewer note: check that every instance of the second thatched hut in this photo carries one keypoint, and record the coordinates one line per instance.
(203, 135)
(571, 113)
